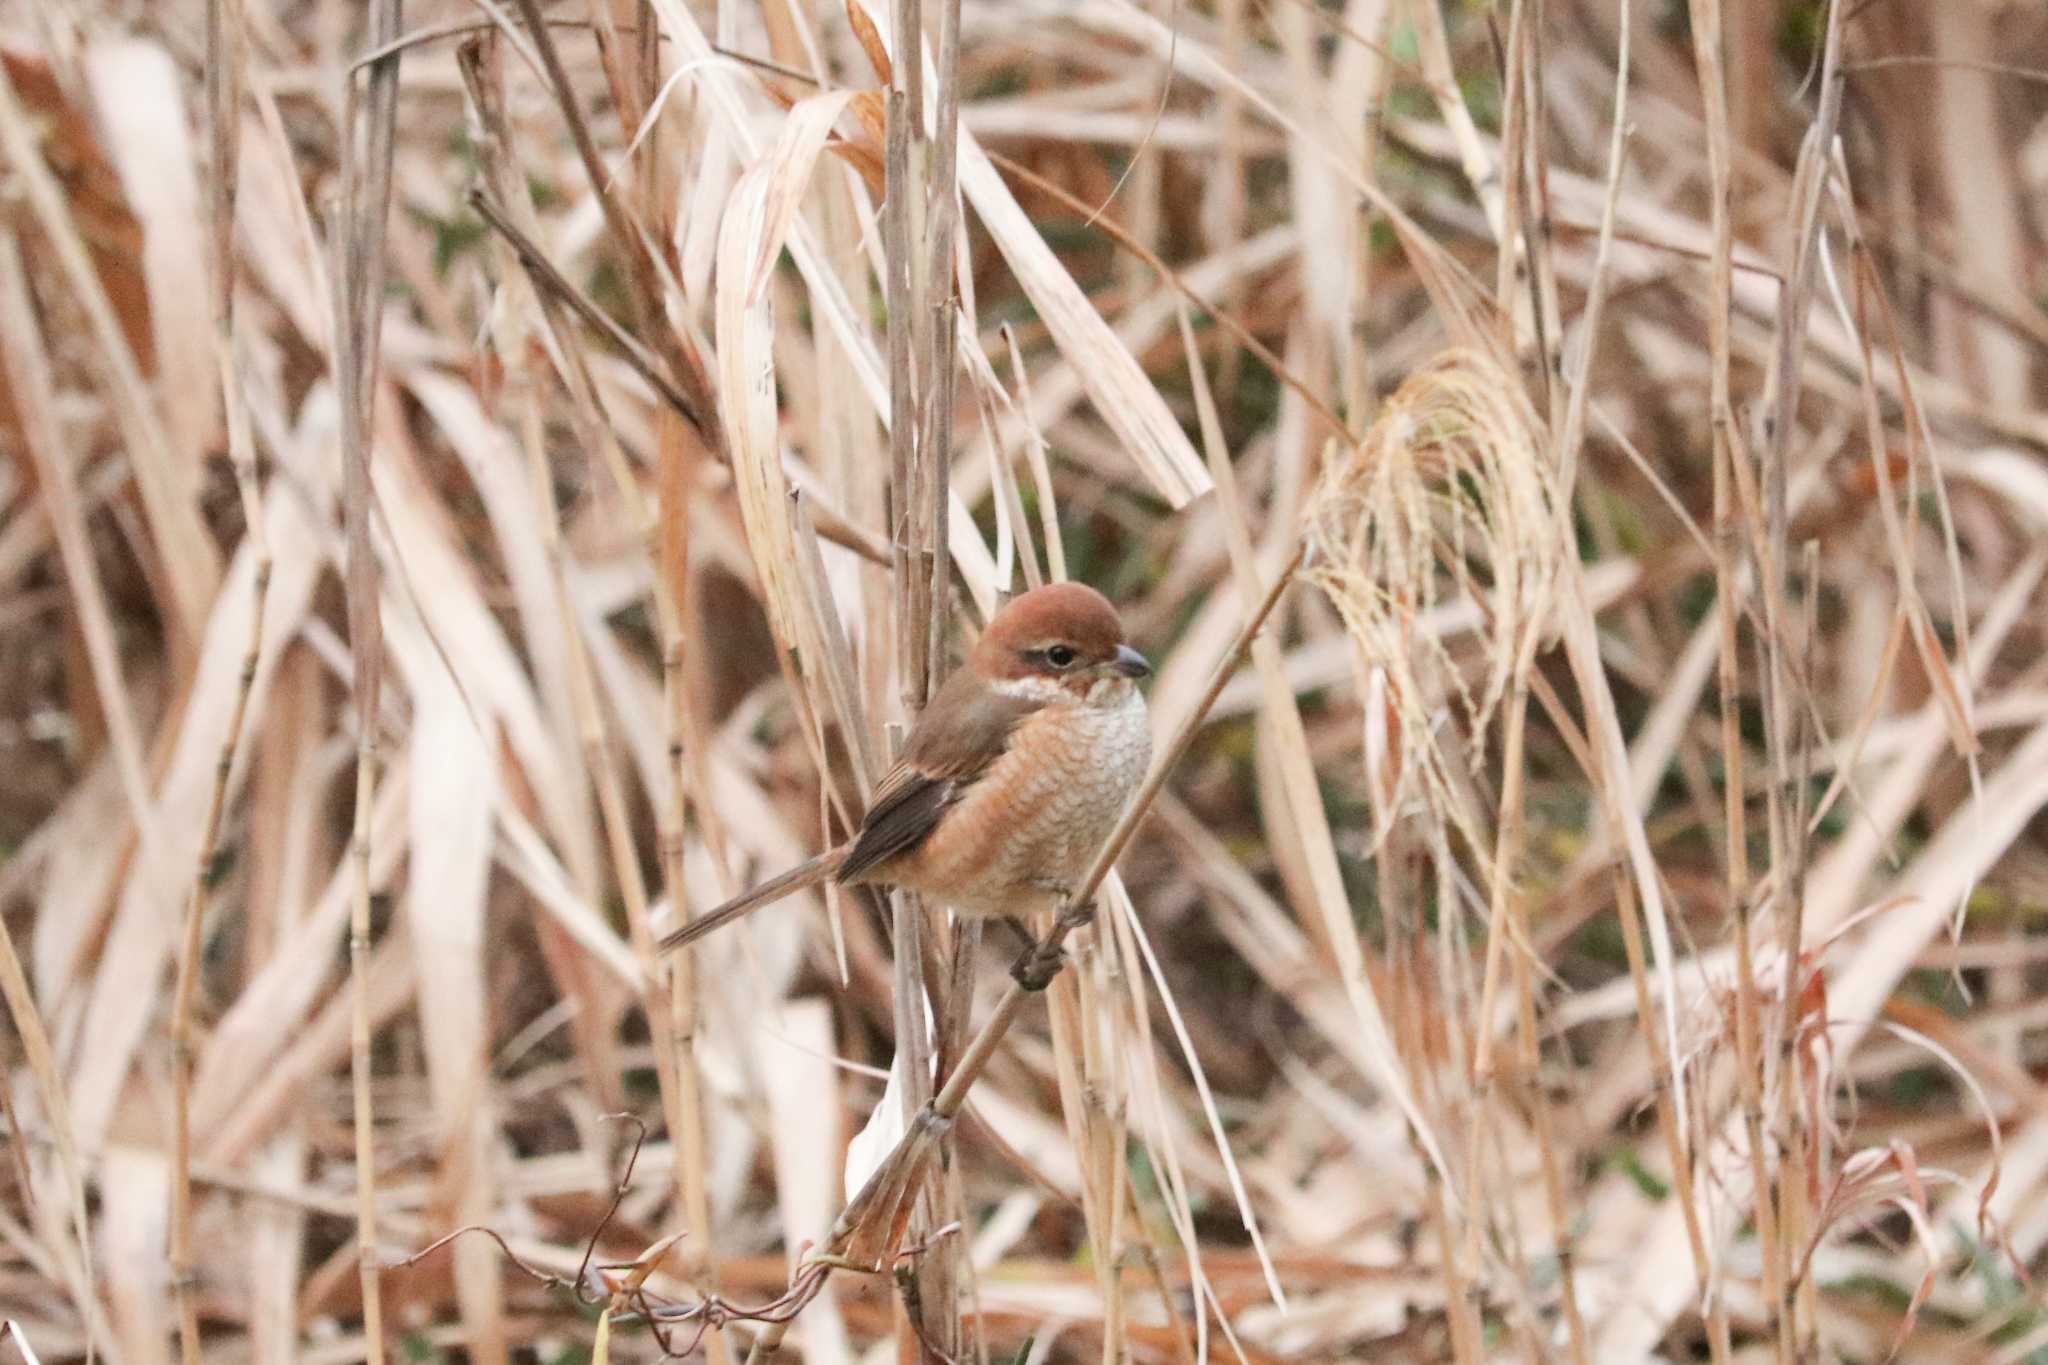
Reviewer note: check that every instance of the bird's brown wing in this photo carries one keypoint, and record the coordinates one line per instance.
(961, 733)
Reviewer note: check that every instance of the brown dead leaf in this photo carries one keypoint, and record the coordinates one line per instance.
(111, 232)
(865, 152)
(870, 39)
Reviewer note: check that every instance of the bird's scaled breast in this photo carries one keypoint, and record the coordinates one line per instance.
(1109, 763)
(1043, 810)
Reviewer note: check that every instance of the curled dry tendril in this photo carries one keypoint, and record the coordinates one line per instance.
(620, 1287)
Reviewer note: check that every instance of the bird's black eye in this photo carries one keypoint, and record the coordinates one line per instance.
(1059, 656)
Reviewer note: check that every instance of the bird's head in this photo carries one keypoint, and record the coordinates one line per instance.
(1061, 639)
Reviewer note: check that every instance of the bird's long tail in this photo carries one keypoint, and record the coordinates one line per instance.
(805, 874)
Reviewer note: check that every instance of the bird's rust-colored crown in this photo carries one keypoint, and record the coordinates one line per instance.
(1067, 613)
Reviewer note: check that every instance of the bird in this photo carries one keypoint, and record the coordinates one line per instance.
(1010, 779)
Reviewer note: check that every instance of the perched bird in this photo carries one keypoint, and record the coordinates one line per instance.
(1011, 778)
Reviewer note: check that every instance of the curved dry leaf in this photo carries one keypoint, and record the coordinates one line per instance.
(870, 39)
(758, 218)
(866, 152)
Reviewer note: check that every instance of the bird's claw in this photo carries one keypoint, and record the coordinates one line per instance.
(1042, 960)
(1038, 965)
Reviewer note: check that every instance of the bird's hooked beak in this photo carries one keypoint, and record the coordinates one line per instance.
(1130, 663)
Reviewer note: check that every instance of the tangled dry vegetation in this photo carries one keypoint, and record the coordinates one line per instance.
(474, 487)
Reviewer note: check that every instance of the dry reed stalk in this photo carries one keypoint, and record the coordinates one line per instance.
(1016, 549)
(1785, 1225)
(1514, 920)
(287, 840)
(369, 127)
(225, 46)
(935, 296)
(183, 1269)
(920, 170)
(1034, 452)
(1707, 50)
(681, 453)
(1566, 456)
(1360, 391)
(909, 517)
(1579, 389)
(679, 1106)
(1088, 1092)
(1225, 200)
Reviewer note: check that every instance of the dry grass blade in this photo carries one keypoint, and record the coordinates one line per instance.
(207, 870)
(452, 806)
(1122, 394)
(757, 220)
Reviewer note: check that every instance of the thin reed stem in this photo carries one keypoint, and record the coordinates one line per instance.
(224, 91)
(369, 128)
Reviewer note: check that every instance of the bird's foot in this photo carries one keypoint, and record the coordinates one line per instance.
(1038, 965)
(1042, 960)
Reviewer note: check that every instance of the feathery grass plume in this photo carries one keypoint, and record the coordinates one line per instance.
(1449, 493)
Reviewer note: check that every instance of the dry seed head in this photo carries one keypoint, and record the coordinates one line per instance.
(1450, 494)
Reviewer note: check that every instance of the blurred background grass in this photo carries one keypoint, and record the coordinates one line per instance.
(1490, 1040)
